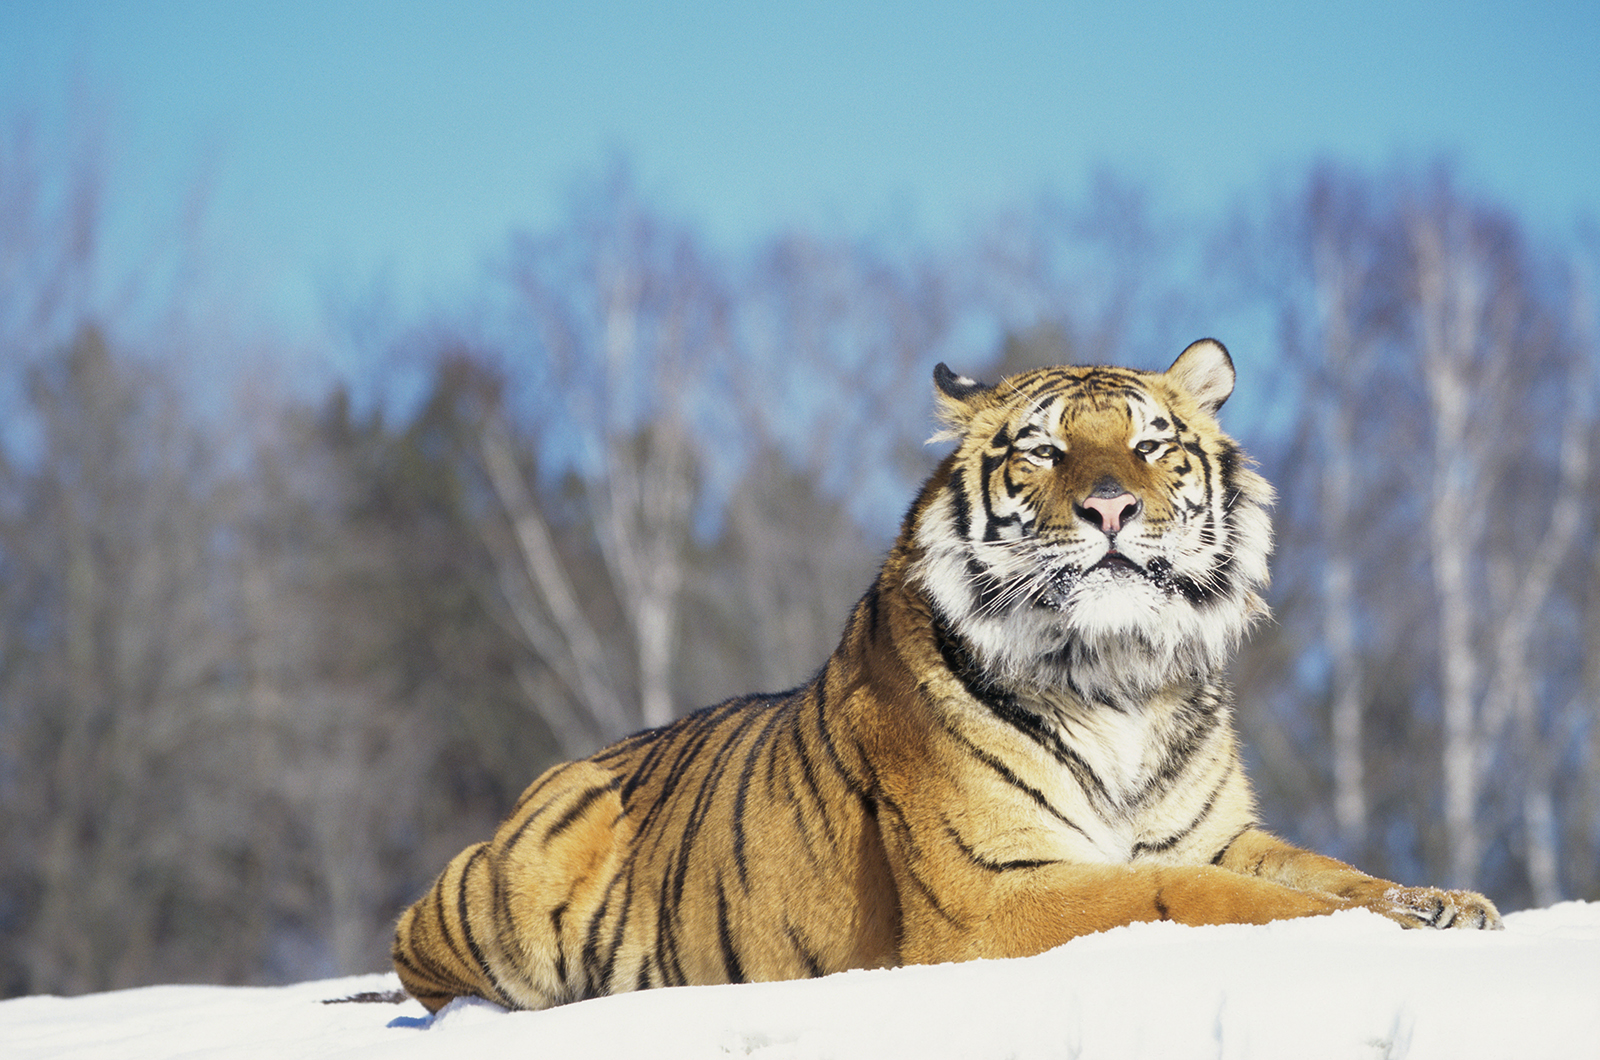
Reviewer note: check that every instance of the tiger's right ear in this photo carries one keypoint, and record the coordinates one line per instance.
(958, 397)
(1205, 370)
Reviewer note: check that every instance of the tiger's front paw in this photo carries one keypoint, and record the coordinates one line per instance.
(1430, 907)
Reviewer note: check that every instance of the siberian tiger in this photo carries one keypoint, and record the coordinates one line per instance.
(1024, 736)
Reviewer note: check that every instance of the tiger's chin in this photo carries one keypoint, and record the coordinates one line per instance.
(1113, 633)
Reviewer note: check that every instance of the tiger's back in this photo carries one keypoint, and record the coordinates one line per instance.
(1023, 736)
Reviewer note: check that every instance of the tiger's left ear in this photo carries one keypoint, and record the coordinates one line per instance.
(959, 398)
(1205, 370)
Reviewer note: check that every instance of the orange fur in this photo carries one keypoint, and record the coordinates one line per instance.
(1024, 736)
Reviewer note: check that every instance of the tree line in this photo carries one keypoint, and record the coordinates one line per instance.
(270, 654)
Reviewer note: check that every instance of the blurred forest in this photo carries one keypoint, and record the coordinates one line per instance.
(271, 653)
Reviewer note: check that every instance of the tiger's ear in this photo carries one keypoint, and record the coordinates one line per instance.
(958, 397)
(1205, 371)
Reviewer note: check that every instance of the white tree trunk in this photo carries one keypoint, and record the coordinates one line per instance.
(572, 648)
(1339, 628)
(1449, 299)
(1346, 364)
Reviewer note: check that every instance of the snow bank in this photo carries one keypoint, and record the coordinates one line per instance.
(1350, 985)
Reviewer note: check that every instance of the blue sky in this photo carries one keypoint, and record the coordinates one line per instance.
(346, 144)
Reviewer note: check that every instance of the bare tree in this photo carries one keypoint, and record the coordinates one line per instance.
(114, 652)
(532, 580)
(835, 341)
(1347, 336)
(1437, 488)
(631, 320)
(1481, 336)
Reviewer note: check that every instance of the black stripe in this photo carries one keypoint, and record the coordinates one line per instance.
(681, 742)
(1168, 843)
(803, 827)
(808, 776)
(1227, 471)
(610, 964)
(820, 685)
(872, 610)
(534, 789)
(987, 465)
(1217, 860)
(731, 966)
(466, 930)
(902, 832)
(760, 748)
(576, 810)
(627, 745)
(960, 506)
(1201, 713)
(988, 594)
(443, 920)
(1015, 486)
(589, 953)
(931, 897)
(504, 923)
(688, 744)
(561, 950)
(991, 865)
(665, 741)
(426, 969)
(1004, 772)
(774, 794)
(705, 795)
(1010, 710)
(667, 941)
(515, 839)
(814, 969)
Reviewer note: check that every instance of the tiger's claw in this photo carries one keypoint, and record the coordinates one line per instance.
(1431, 907)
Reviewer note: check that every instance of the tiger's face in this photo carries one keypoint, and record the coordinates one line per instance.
(1095, 529)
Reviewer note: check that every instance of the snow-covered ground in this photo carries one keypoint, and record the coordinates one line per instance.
(1346, 986)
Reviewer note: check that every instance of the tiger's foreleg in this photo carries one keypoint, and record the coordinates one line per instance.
(1262, 855)
(1260, 879)
(1031, 910)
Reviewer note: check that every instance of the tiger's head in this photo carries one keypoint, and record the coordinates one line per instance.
(1094, 531)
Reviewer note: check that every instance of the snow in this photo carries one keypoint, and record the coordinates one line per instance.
(1349, 985)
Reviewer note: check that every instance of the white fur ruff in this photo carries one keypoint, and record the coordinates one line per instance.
(1112, 634)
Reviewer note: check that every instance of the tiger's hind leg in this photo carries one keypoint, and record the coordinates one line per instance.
(436, 951)
(499, 923)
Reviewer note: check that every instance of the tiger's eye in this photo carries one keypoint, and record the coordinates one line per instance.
(1043, 455)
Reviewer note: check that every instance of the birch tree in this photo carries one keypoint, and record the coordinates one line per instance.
(1346, 337)
(1440, 485)
(630, 322)
(1483, 341)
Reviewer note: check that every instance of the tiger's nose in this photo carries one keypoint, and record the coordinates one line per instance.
(1109, 513)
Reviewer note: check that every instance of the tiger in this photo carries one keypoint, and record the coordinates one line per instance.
(1024, 736)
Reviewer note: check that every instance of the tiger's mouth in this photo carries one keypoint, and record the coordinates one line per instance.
(1115, 561)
